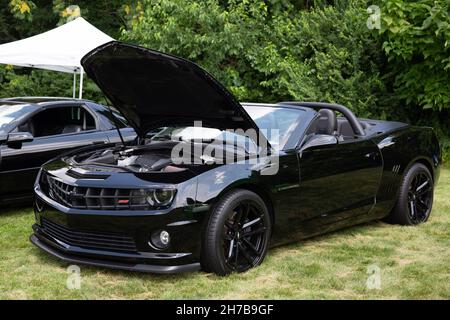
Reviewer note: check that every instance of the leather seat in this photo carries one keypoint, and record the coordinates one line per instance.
(327, 122)
(27, 127)
(72, 128)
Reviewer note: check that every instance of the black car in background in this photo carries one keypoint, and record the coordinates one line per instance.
(141, 208)
(34, 130)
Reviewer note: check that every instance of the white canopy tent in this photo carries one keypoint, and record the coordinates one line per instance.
(59, 49)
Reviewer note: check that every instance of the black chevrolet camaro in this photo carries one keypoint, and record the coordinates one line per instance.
(34, 130)
(215, 196)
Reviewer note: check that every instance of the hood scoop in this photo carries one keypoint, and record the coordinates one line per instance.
(80, 173)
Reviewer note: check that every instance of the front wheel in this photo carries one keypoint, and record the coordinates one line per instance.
(237, 233)
(415, 198)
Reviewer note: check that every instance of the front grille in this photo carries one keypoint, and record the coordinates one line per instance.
(92, 240)
(93, 198)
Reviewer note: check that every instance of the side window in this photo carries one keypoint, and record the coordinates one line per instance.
(55, 121)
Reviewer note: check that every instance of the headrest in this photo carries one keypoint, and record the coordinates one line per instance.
(327, 122)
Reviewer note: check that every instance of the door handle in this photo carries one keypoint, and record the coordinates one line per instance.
(99, 142)
(371, 155)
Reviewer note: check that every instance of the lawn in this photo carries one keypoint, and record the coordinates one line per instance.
(414, 263)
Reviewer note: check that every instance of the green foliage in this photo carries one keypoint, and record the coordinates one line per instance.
(417, 42)
(34, 82)
(266, 53)
(104, 14)
(22, 9)
(313, 50)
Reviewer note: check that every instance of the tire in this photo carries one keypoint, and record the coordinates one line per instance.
(226, 248)
(415, 197)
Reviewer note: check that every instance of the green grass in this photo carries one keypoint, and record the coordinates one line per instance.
(414, 263)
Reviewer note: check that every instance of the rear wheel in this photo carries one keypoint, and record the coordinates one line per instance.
(237, 233)
(415, 199)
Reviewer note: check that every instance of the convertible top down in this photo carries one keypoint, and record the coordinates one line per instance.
(214, 197)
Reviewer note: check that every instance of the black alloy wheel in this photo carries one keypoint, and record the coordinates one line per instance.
(415, 198)
(244, 234)
(420, 195)
(237, 234)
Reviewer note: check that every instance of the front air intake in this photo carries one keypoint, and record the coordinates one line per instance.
(88, 239)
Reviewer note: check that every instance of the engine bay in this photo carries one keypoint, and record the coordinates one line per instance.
(157, 156)
(144, 158)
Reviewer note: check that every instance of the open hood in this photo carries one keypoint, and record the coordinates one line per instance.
(152, 89)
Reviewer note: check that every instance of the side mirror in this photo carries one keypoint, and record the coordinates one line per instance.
(319, 140)
(15, 139)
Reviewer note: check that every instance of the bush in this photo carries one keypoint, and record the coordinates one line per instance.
(272, 51)
(263, 53)
(22, 82)
(417, 42)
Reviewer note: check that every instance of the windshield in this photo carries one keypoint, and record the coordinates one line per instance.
(11, 112)
(277, 124)
(206, 135)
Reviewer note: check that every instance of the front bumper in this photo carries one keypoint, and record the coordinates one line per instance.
(66, 256)
(183, 224)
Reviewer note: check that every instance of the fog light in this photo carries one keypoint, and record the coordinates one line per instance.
(164, 237)
(160, 239)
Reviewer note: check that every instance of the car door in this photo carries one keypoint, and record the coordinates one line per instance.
(338, 180)
(21, 165)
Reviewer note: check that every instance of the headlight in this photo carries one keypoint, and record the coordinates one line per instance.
(163, 196)
(160, 197)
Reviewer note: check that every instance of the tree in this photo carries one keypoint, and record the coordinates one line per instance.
(267, 51)
(417, 42)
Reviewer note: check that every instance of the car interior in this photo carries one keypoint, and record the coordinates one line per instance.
(55, 121)
(328, 123)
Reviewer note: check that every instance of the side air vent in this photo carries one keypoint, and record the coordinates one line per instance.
(396, 168)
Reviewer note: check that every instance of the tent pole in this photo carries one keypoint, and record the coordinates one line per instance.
(74, 85)
(81, 84)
